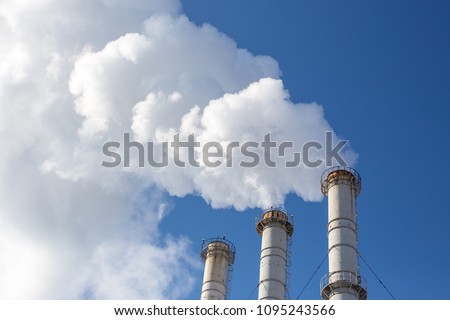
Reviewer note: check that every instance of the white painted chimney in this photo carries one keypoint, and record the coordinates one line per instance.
(343, 282)
(275, 227)
(218, 254)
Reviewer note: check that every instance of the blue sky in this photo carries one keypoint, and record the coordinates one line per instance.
(375, 73)
(381, 69)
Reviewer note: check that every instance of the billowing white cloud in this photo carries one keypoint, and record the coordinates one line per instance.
(76, 74)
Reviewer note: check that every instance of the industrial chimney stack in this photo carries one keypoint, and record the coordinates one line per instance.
(218, 254)
(343, 282)
(276, 228)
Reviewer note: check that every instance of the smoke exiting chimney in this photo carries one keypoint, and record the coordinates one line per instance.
(343, 282)
(276, 228)
(218, 254)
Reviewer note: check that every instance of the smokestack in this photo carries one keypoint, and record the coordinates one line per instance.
(218, 254)
(343, 282)
(276, 229)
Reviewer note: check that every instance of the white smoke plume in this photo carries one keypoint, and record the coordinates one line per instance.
(76, 74)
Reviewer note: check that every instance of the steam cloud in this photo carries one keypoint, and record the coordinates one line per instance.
(74, 75)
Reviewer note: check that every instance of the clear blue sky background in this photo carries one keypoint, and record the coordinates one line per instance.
(381, 69)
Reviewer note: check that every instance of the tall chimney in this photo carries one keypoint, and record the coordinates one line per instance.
(218, 254)
(343, 282)
(276, 228)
